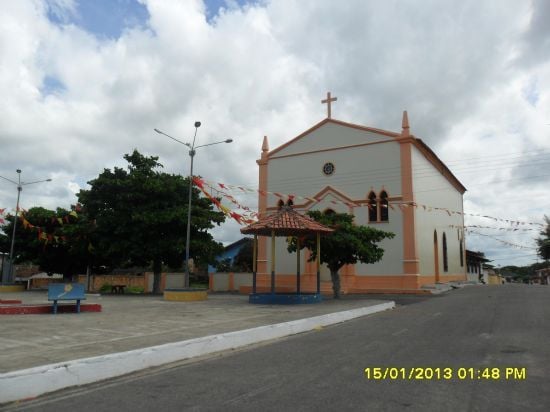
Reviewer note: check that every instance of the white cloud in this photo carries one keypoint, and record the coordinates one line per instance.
(467, 72)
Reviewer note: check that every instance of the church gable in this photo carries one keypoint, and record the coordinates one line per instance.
(329, 198)
(332, 134)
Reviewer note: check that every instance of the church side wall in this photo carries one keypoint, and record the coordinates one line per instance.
(432, 189)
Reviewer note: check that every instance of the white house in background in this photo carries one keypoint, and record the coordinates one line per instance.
(475, 271)
(387, 180)
(543, 276)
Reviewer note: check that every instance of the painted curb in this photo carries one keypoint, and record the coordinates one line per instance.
(47, 309)
(12, 288)
(32, 382)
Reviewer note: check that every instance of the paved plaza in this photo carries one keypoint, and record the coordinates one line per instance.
(132, 321)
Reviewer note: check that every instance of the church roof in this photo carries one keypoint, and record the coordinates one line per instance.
(285, 222)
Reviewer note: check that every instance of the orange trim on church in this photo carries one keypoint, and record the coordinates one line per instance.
(262, 203)
(350, 284)
(410, 258)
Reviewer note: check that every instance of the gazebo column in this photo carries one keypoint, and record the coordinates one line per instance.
(318, 262)
(297, 265)
(272, 262)
(254, 263)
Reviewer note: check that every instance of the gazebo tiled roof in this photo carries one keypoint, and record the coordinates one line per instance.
(285, 222)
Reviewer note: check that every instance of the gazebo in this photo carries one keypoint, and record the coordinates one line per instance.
(285, 222)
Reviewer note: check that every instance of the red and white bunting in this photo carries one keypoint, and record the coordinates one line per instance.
(400, 205)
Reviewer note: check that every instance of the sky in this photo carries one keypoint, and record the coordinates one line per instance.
(84, 82)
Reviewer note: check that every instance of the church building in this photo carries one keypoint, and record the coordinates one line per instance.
(388, 180)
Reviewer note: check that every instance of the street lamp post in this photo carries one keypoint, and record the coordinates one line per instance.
(192, 152)
(19, 190)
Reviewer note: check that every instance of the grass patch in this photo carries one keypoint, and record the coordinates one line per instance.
(134, 290)
(201, 285)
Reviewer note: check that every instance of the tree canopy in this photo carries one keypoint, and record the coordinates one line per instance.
(141, 216)
(57, 241)
(543, 242)
(348, 244)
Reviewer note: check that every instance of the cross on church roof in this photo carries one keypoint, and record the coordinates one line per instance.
(328, 101)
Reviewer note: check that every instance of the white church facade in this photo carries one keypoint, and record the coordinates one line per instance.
(387, 180)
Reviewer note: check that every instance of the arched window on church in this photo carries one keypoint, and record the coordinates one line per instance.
(461, 253)
(384, 206)
(373, 208)
(445, 257)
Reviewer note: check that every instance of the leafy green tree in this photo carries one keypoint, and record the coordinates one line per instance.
(141, 216)
(57, 241)
(348, 244)
(4, 242)
(543, 242)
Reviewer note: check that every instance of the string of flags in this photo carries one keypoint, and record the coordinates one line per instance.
(246, 217)
(392, 205)
(500, 240)
(506, 229)
(42, 233)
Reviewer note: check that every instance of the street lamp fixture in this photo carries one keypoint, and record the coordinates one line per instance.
(192, 152)
(20, 185)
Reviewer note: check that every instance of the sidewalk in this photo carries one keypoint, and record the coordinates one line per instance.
(131, 322)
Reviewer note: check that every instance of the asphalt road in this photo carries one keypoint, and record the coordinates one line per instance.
(481, 327)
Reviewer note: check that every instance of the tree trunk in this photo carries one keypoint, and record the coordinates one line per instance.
(88, 271)
(335, 276)
(157, 271)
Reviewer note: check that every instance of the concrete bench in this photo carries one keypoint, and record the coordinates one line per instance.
(66, 291)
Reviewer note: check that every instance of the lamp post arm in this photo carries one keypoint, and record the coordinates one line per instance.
(171, 137)
(9, 180)
(210, 144)
(36, 181)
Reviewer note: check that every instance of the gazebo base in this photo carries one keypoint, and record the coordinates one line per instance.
(284, 298)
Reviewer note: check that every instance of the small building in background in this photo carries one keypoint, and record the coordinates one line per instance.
(542, 276)
(230, 252)
(474, 267)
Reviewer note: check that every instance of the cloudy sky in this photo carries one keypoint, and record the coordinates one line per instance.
(82, 82)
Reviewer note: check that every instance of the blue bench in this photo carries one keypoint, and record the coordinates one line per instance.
(66, 291)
